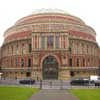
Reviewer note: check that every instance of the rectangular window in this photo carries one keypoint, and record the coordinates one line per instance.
(22, 62)
(57, 42)
(50, 41)
(30, 48)
(70, 62)
(43, 42)
(16, 62)
(35, 41)
(17, 49)
(77, 62)
(29, 62)
(64, 42)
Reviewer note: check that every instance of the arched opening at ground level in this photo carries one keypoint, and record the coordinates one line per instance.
(50, 68)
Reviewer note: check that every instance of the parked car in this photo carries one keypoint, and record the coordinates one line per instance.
(97, 83)
(29, 81)
(80, 81)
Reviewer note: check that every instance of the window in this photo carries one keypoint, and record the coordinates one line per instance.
(17, 49)
(88, 61)
(87, 49)
(28, 74)
(35, 41)
(8, 49)
(22, 48)
(12, 49)
(30, 48)
(70, 62)
(29, 62)
(72, 73)
(50, 41)
(16, 61)
(83, 62)
(77, 62)
(82, 46)
(70, 50)
(43, 42)
(64, 40)
(57, 42)
(22, 62)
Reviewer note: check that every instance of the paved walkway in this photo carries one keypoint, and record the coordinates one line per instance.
(53, 95)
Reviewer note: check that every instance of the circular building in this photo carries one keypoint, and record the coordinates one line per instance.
(49, 45)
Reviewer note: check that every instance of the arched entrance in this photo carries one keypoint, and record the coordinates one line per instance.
(50, 68)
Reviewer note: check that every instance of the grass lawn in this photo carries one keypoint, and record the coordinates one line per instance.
(16, 93)
(87, 94)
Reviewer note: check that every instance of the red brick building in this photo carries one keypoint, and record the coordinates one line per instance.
(49, 45)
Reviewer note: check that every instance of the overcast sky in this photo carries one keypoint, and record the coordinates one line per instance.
(12, 10)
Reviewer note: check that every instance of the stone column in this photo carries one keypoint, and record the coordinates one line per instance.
(32, 43)
(46, 42)
(66, 41)
(60, 41)
(39, 42)
(54, 45)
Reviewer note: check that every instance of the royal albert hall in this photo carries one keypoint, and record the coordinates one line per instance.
(49, 45)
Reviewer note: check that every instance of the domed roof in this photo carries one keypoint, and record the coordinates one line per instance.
(43, 10)
(49, 20)
(50, 14)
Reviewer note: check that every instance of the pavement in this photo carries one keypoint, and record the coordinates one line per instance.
(50, 94)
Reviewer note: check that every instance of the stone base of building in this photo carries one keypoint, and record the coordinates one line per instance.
(38, 75)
